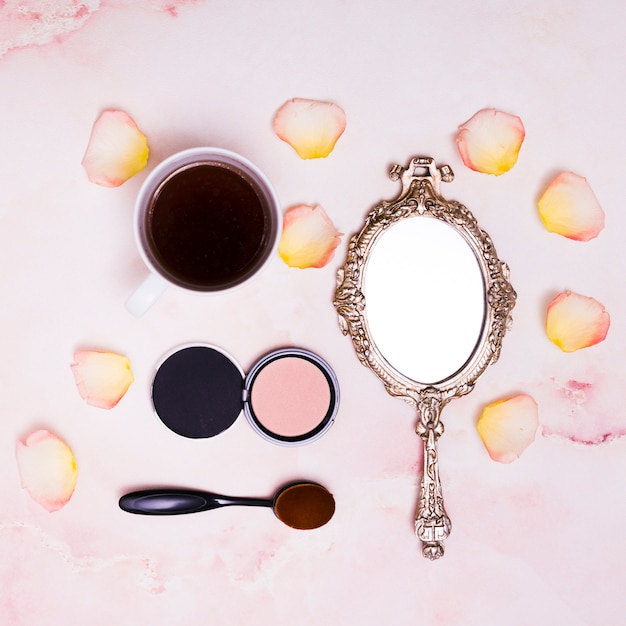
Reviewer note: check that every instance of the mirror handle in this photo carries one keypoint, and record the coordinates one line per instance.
(432, 524)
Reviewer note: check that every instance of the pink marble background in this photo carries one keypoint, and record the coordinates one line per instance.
(539, 541)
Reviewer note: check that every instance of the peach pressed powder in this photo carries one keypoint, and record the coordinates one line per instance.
(290, 396)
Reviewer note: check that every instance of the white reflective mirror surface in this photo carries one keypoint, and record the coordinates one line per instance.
(425, 298)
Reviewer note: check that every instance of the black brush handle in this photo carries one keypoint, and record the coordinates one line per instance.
(173, 501)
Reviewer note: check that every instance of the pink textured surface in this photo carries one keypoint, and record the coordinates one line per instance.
(290, 396)
(539, 541)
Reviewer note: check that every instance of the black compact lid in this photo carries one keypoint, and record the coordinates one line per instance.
(198, 392)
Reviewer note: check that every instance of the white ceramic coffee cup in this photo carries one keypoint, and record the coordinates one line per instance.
(159, 277)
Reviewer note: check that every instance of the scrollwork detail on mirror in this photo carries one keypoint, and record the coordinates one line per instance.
(420, 196)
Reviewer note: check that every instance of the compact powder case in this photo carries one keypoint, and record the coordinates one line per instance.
(290, 396)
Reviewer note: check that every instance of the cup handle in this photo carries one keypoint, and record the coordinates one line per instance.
(146, 294)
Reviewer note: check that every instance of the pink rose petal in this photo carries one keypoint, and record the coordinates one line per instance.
(47, 469)
(508, 427)
(574, 321)
(310, 127)
(102, 378)
(490, 141)
(309, 237)
(569, 207)
(117, 150)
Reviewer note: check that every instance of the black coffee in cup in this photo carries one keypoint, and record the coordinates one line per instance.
(207, 226)
(207, 220)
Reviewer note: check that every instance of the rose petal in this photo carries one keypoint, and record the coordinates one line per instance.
(490, 141)
(309, 237)
(102, 378)
(508, 427)
(117, 150)
(47, 469)
(310, 127)
(574, 321)
(569, 207)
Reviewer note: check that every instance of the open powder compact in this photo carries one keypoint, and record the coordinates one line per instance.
(290, 396)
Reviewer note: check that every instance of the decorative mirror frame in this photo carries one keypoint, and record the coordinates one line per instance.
(420, 197)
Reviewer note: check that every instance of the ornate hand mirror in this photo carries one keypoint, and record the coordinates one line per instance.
(426, 302)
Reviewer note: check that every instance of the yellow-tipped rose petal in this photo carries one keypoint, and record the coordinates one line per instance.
(309, 237)
(47, 469)
(574, 321)
(102, 378)
(310, 127)
(490, 141)
(569, 207)
(508, 427)
(117, 150)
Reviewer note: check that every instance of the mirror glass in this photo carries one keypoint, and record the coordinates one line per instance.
(424, 298)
